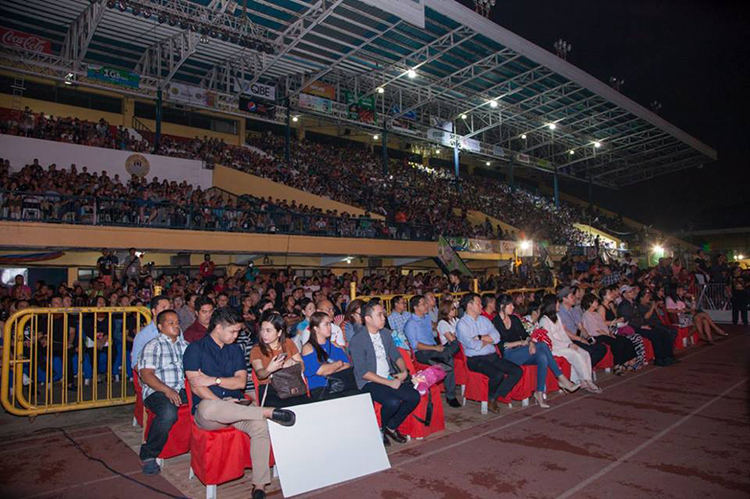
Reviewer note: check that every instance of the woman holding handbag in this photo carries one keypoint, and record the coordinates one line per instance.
(327, 370)
(275, 354)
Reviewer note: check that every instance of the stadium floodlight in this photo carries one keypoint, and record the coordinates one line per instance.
(493, 103)
(523, 136)
(597, 144)
(571, 152)
(295, 119)
(381, 90)
(375, 137)
(658, 248)
(552, 126)
(411, 74)
(463, 116)
(488, 163)
(525, 245)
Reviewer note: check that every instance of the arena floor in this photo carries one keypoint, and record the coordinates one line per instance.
(681, 432)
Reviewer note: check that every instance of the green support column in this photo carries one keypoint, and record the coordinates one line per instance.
(288, 134)
(159, 103)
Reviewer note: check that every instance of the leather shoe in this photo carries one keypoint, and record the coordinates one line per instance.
(258, 494)
(395, 435)
(454, 403)
(386, 441)
(493, 407)
(284, 417)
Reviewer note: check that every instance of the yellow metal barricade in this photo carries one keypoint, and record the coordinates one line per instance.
(66, 359)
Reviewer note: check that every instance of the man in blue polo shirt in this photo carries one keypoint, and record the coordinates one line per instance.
(418, 331)
(215, 367)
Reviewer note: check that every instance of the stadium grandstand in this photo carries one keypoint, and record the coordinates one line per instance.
(277, 247)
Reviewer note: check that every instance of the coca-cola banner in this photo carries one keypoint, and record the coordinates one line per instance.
(25, 41)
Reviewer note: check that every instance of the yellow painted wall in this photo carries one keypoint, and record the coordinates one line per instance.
(39, 235)
(64, 110)
(239, 183)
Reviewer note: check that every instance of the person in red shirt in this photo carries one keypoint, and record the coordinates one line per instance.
(207, 267)
(204, 307)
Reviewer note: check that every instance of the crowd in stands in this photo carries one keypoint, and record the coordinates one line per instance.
(228, 334)
(353, 175)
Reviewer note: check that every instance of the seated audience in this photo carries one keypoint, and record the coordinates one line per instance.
(478, 338)
(215, 368)
(623, 351)
(380, 371)
(662, 340)
(327, 369)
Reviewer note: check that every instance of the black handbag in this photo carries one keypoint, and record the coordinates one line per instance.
(339, 382)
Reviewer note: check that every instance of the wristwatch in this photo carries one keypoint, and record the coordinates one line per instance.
(218, 381)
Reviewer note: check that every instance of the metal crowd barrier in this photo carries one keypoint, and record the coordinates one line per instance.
(67, 359)
(713, 296)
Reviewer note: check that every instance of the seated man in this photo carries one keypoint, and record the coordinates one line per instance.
(478, 337)
(380, 371)
(397, 321)
(661, 338)
(158, 304)
(163, 385)
(418, 331)
(216, 370)
(204, 307)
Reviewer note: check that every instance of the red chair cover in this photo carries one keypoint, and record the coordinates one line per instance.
(552, 384)
(477, 385)
(218, 456)
(138, 409)
(437, 423)
(607, 362)
(178, 442)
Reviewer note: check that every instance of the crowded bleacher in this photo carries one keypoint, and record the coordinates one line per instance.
(344, 173)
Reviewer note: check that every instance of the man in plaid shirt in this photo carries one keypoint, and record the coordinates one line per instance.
(610, 278)
(162, 374)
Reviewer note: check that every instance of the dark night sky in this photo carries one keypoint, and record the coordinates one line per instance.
(693, 57)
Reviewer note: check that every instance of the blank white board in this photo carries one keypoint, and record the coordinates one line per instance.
(332, 441)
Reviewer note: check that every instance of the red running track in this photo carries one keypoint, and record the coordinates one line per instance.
(673, 432)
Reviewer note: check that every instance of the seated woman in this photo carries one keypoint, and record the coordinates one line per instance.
(447, 320)
(274, 352)
(352, 318)
(622, 350)
(608, 312)
(517, 347)
(563, 346)
(323, 359)
(679, 302)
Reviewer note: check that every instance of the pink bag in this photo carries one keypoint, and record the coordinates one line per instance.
(425, 378)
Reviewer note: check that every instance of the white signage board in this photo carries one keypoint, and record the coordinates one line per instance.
(331, 442)
(267, 92)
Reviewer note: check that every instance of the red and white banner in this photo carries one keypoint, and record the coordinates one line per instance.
(25, 41)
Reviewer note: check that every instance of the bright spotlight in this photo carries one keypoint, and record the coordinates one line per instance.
(411, 74)
(375, 137)
(658, 248)
(597, 144)
(295, 119)
(523, 136)
(488, 163)
(463, 116)
(552, 126)
(571, 152)
(381, 90)
(525, 245)
(493, 103)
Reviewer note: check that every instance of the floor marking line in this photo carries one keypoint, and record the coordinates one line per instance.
(646, 444)
(518, 421)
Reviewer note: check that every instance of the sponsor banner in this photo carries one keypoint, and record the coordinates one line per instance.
(252, 106)
(543, 163)
(257, 90)
(450, 258)
(22, 150)
(507, 246)
(113, 75)
(523, 158)
(190, 95)
(315, 103)
(410, 115)
(482, 245)
(470, 145)
(498, 151)
(361, 109)
(19, 39)
(441, 124)
(320, 89)
(445, 138)
(557, 250)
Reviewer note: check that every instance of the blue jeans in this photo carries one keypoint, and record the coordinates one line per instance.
(166, 416)
(396, 405)
(542, 358)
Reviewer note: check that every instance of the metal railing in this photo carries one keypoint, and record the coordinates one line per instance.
(713, 296)
(67, 359)
(91, 210)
